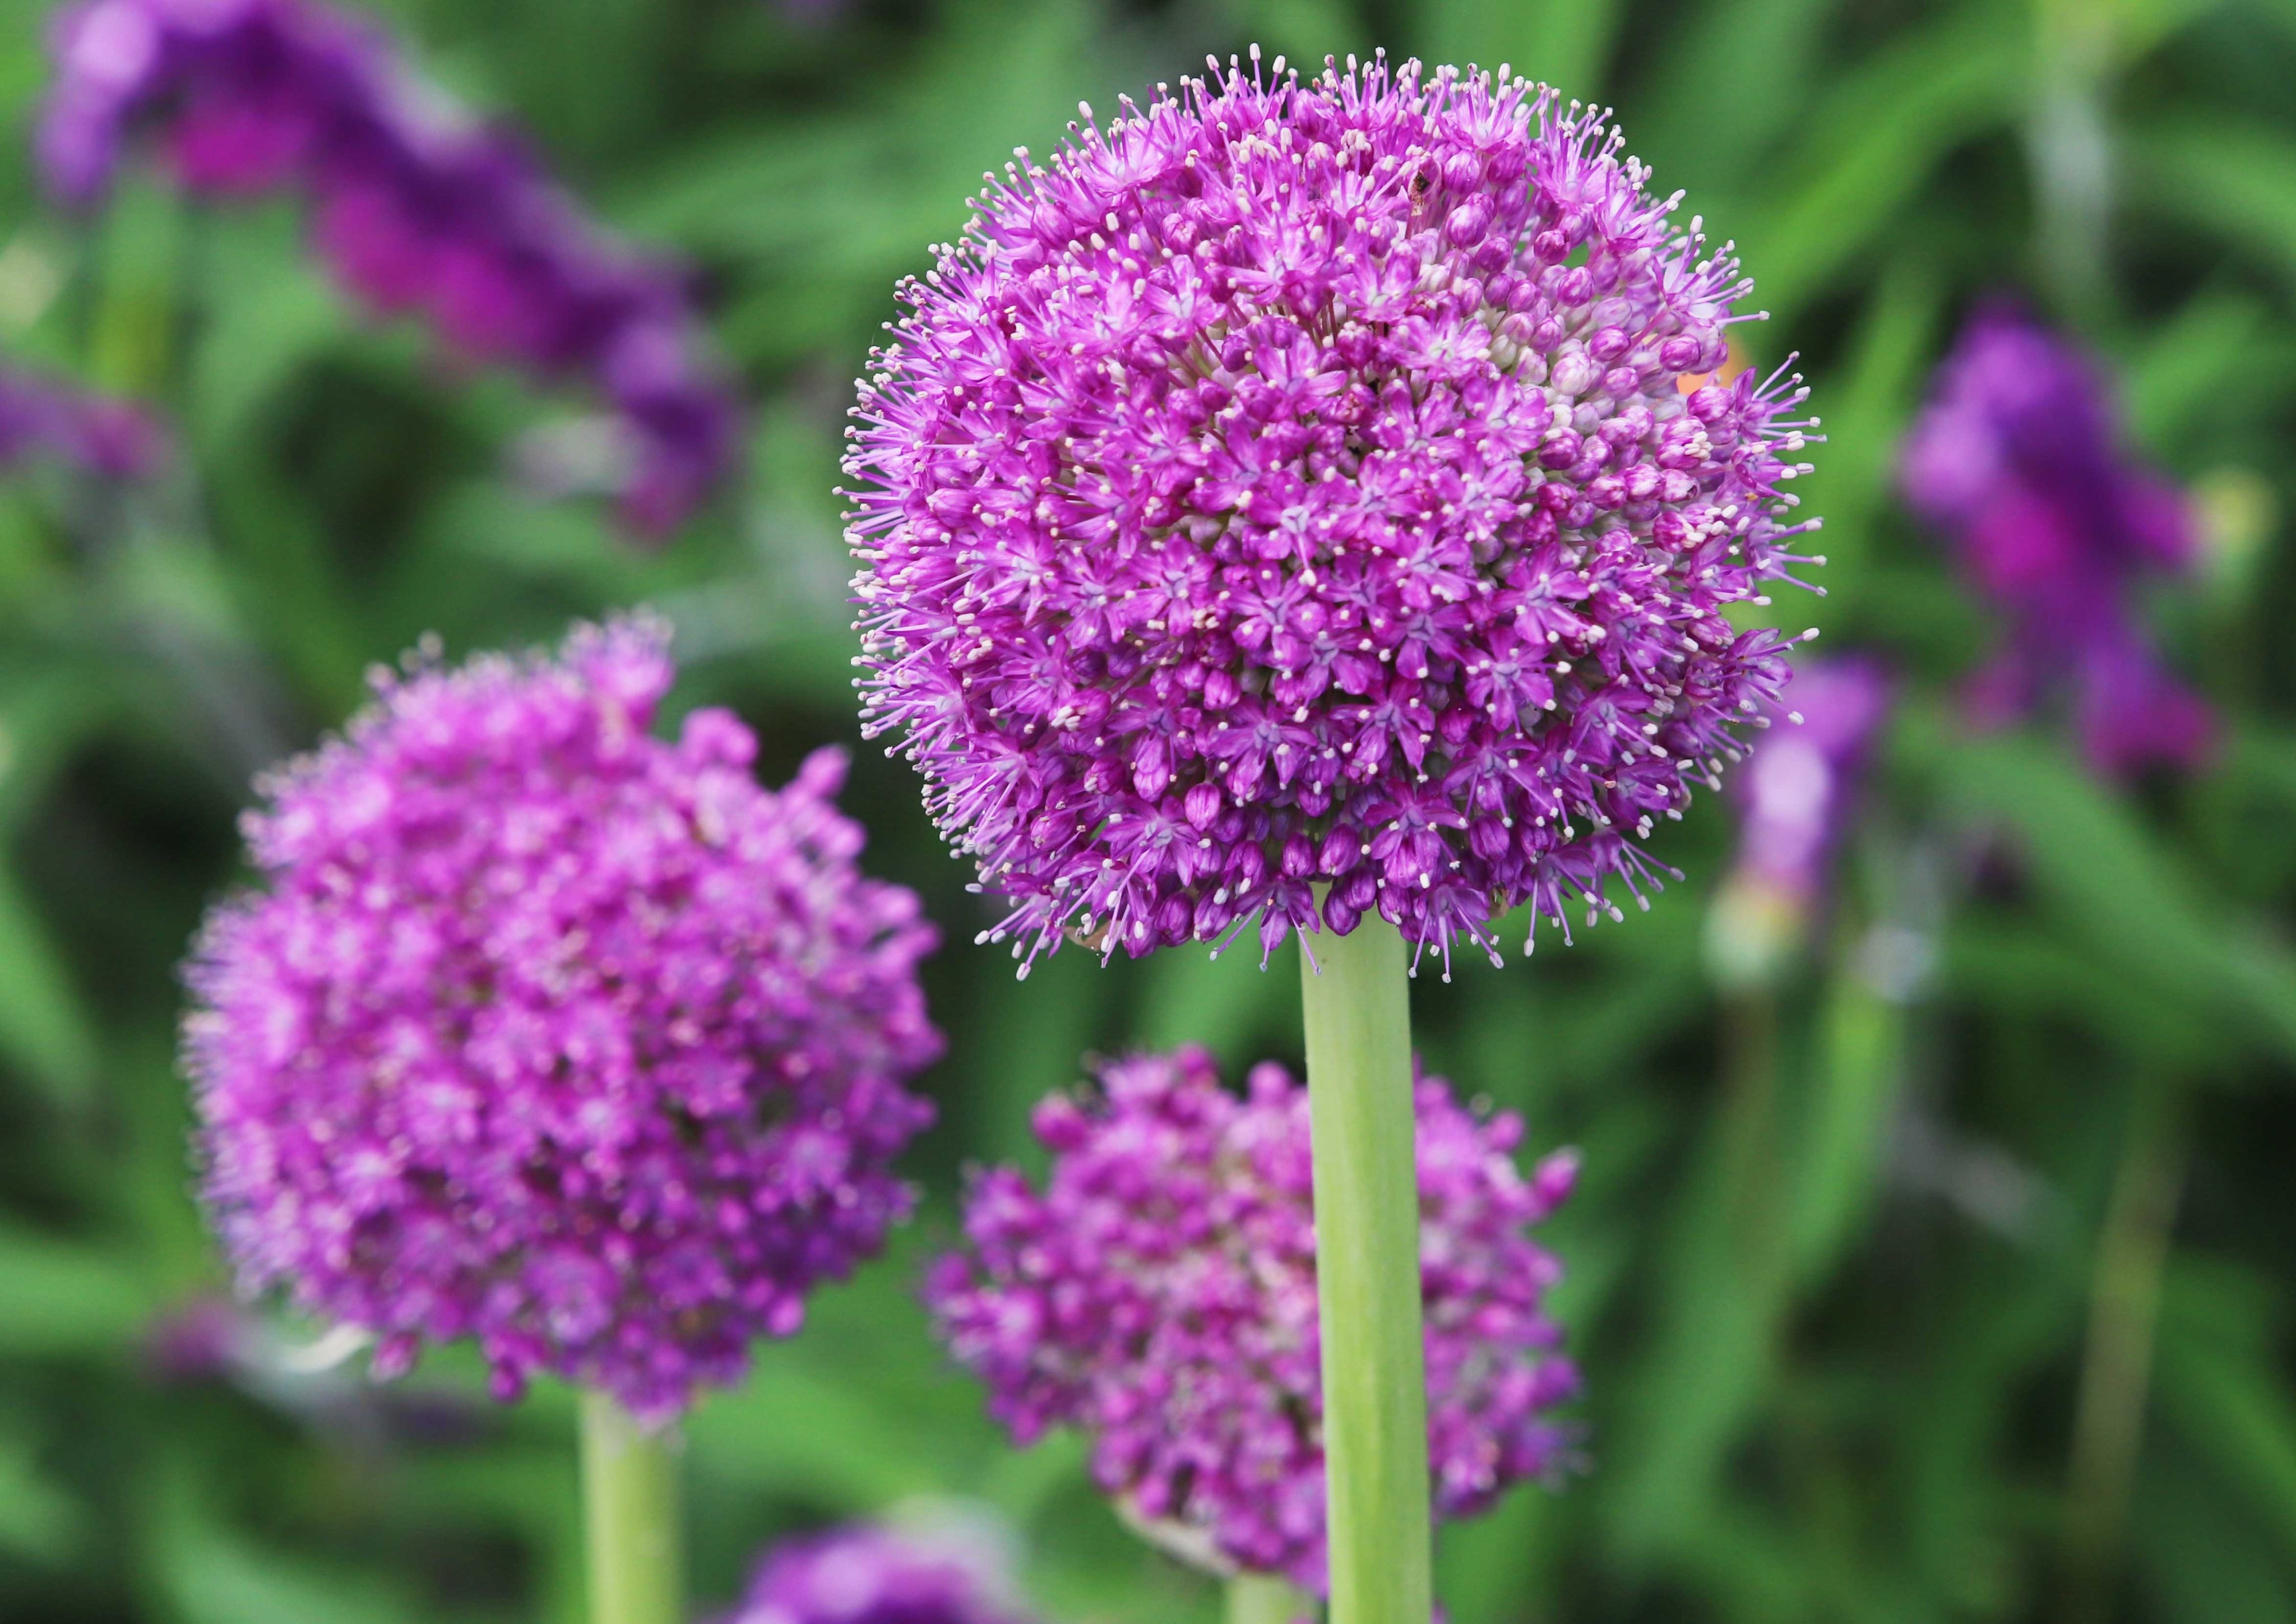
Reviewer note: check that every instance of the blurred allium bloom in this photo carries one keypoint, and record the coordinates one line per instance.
(1291, 484)
(2020, 459)
(416, 208)
(1799, 785)
(1160, 1293)
(542, 1031)
(41, 418)
(867, 1575)
(1796, 795)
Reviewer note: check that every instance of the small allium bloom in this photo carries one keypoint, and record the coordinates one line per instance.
(1796, 794)
(1160, 1293)
(866, 1575)
(1799, 785)
(2019, 458)
(546, 1032)
(416, 206)
(42, 418)
(1291, 484)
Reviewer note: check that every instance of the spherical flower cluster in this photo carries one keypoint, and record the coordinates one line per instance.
(545, 1032)
(108, 438)
(2019, 458)
(1294, 483)
(1160, 1293)
(415, 208)
(866, 1575)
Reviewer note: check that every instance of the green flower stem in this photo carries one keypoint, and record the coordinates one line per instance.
(1355, 999)
(630, 1504)
(1262, 1598)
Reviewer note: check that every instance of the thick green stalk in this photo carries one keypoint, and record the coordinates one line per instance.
(1262, 1598)
(1358, 1019)
(629, 1504)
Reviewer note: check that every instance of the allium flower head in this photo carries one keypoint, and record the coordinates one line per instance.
(2019, 457)
(866, 1575)
(1160, 1293)
(416, 207)
(542, 1031)
(1290, 484)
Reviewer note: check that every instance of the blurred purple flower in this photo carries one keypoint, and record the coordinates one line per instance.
(1291, 484)
(1799, 785)
(1796, 794)
(1160, 1295)
(42, 418)
(868, 1575)
(417, 209)
(2019, 457)
(546, 1032)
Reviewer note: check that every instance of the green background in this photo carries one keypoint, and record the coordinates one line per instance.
(1948, 1280)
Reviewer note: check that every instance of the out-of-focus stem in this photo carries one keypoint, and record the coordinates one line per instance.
(2116, 1365)
(629, 1504)
(1262, 1598)
(2070, 149)
(1356, 1001)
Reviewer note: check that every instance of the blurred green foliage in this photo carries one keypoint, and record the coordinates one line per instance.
(1949, 1280)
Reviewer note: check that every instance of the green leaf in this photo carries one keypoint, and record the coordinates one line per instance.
(2104, 877)
(66, 1299)
(43, 1028)
(1872, 142)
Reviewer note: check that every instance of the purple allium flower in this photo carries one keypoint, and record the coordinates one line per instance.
(542, 1031)
(867, 1575)
(1796, 794)
(42, 418)
(2020, 459)
(1290, 484)
(416, 208)
(1799, 784)
(1160, 1293)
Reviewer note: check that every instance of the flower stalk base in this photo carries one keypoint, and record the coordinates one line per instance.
(630, 1508)
(1356, 1001)
(1263, 1599)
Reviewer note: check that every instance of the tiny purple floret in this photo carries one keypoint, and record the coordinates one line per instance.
(1293, 484)
(1159, 1294)
(539, 1030)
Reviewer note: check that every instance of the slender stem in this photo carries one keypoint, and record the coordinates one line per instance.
(1359, 1018)
(2117, 1366)
(629, 1502)
(1263, 1599)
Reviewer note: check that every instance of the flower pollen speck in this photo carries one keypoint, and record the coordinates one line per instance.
(1159, 1294)
(539, 1030)
(1290, 484)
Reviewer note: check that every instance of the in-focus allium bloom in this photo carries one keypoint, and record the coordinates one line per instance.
(1796, 794)
(542, 1031)
(1290, 484)
(1160, 1293)
(867, 1575)
(416, 206)
(2019, 458)
(42, 418)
